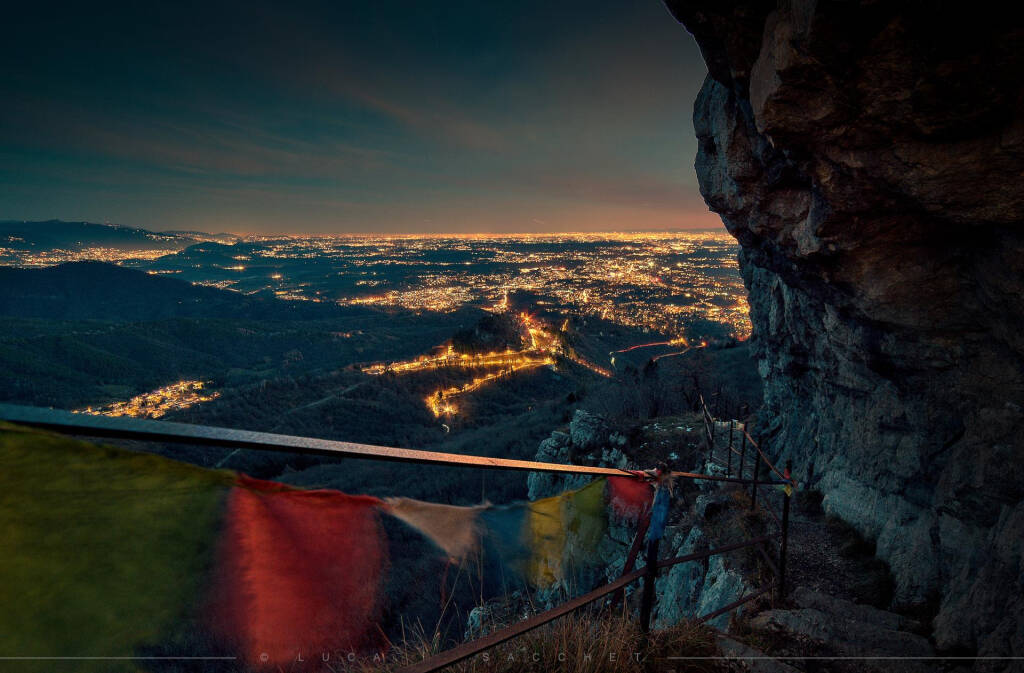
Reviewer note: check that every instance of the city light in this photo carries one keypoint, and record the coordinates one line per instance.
(157, 403)
(660, 282)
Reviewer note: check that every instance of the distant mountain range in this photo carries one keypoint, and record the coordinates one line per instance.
(100, 291)
(57, 234)
(202, 236)
(92, 333)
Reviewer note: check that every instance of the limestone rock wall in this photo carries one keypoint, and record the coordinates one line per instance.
(869, 158)
(688, 589)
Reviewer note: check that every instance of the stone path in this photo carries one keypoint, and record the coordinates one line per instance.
(828, 620)
(829, 558)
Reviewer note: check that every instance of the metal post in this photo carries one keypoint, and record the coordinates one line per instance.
(655, 531)
(711, 442)
(647, 598)
(709, 432)
(710, 421)
(753, 486)
(634, 551)
(787, 495)
(743, 449)
(732, 431)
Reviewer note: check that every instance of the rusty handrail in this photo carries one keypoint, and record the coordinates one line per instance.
(665, 563)
(168, 431)
(768, 508)
(768, 559)
(148, 430)
(765, 588)
(466, 650)
(709, 424)
(786, 477)
(785, 480)
(709, 420)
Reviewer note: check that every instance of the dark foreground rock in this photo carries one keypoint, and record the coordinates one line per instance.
(743, 657)
(845, 629)
(868, 157)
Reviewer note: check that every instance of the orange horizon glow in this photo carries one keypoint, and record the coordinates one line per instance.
(610, 233)
(584, 219)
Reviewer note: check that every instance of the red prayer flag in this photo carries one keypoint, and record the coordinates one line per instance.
(298, 573)
(630, 497)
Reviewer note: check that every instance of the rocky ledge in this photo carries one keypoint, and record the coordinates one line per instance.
(868, 157)
(703, 515)
(837, 628)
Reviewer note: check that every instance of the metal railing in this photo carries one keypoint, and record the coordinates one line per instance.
(756, 498)
(167, 431)
(148, 430)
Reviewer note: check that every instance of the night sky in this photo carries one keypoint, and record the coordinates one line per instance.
(351, 117)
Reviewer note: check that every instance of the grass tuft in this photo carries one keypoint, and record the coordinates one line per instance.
(577, 643)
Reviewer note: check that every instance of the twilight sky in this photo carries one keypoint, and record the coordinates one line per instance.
(375, 116)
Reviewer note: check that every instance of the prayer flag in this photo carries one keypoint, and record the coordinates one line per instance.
(114, 553)
(454, 529)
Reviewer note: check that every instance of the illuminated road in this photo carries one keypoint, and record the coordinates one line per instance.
(674, 342)
(669, 355)
(545, 347)
(440, 403)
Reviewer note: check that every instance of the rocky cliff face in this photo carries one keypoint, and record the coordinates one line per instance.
(869, 158)
(699, 516)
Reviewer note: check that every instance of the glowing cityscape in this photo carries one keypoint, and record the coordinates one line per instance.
(658, 281)
(676, 287)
